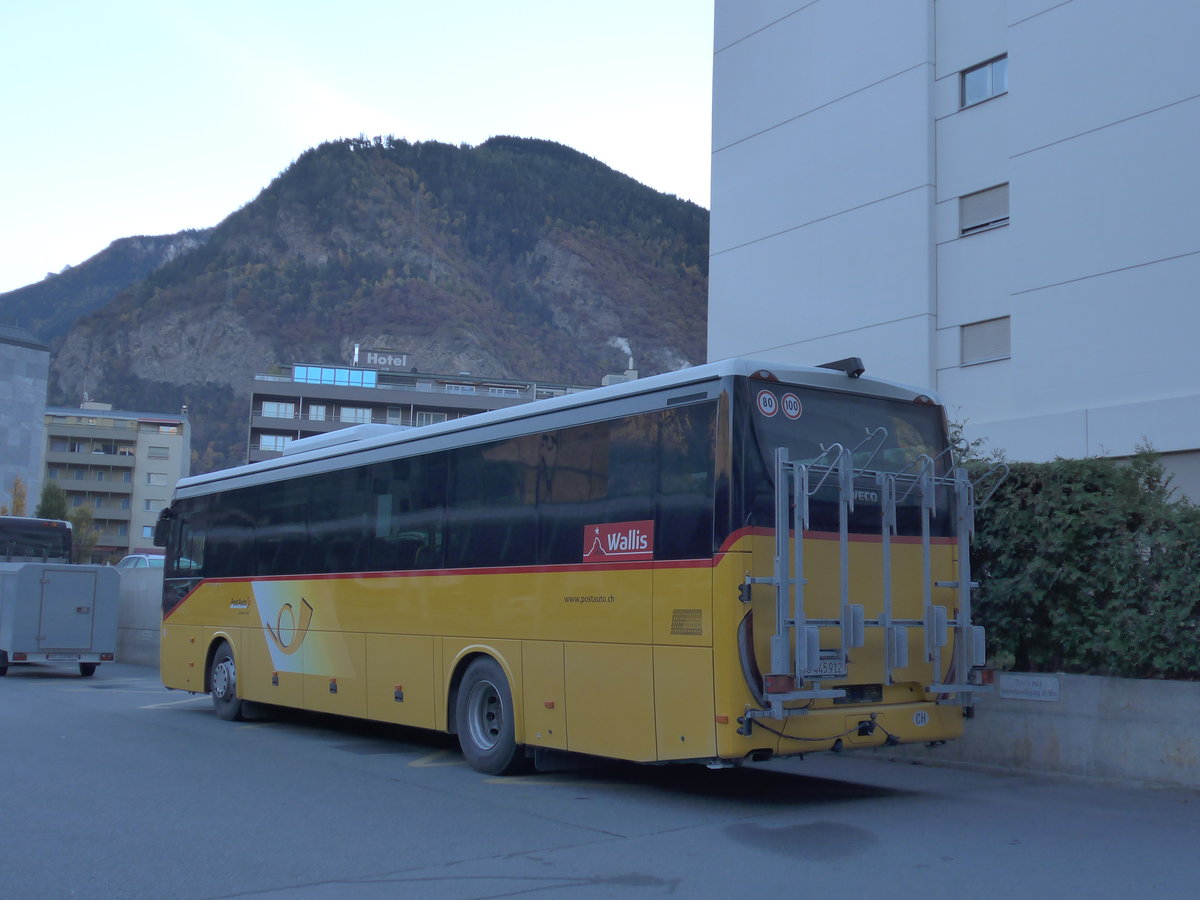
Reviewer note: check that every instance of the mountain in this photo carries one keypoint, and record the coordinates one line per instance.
(50, 307)
(516, 258)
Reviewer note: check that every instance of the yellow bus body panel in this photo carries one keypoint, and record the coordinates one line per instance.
(638, 663)
(545, 694)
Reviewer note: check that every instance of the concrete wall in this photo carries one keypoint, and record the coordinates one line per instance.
(1112, 728)
(139, 617)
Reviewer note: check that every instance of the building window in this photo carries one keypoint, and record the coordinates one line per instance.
(77, 500)
(98, 502)
(127, 477)
(332, 375)
(100, 475)
(984, 81)
(124, 503)
(159, 478)
(357, 415)
(52, 472)
(275, 410)
(983, 209)
(159, 452)
(153, 505)
(276, 442)
(316, 412)
(147, 531)
(986, 341)
(395, 415)
(80, 474)
(123, 530)
(503, 392)
(168, 429)
(425, 417)
(460, 388)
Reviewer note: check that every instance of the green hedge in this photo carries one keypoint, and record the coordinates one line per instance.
(1089, 567)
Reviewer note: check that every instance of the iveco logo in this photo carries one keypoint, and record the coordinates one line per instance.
(867, 496)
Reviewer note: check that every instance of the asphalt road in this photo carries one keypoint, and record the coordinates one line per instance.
(115, 787)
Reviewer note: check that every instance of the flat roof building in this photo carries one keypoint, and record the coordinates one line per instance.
(121, 465)
(24, 376)
(305, 399)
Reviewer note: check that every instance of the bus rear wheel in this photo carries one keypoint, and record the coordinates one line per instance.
(87, 670)
(222, 681)
(484, 717)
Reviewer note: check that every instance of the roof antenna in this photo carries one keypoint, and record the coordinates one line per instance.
(851, 365)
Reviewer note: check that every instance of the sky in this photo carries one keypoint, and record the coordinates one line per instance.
(129, 117)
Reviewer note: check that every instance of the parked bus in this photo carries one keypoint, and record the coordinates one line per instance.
(614, 572)
(25, 539)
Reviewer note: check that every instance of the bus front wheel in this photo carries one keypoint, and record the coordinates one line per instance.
(222, 680)
(484, 717)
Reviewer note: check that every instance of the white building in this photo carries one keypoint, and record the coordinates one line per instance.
(993, 198)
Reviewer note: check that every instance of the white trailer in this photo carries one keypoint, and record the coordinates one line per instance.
(58, 613)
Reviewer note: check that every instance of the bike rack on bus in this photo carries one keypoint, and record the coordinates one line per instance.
(798, 664)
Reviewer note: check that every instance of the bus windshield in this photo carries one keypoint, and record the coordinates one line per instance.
(34, 540)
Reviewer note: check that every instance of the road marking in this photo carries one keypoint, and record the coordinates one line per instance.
(199, 699)
(438, 759)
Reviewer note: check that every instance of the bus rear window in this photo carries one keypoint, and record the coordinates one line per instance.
(881, 436)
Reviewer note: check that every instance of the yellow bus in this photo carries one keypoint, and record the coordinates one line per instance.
(614, 573)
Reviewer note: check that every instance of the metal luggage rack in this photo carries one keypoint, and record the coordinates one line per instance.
(798, 666)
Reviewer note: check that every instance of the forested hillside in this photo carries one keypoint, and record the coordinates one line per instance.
(51, 306)
(516, 258)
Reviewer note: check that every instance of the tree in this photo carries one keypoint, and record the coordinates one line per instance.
(85, 534)
(19, 494)
(53, 504)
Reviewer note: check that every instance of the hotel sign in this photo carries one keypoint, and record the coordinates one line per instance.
(382, 359)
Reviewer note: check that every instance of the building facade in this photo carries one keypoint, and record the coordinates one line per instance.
(992, 198)
(24, 376)
(122, 466)
(306, 400)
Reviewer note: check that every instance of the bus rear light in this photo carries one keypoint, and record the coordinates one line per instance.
(779, 684)
(722, 720)
(107, 657)
(20, 657)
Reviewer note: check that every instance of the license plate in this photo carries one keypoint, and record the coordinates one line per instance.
(62, 656)
(829, 668)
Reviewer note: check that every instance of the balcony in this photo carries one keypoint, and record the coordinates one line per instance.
(90, 458)
(94, 486)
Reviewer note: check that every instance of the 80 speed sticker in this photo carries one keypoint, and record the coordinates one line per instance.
(767, 404)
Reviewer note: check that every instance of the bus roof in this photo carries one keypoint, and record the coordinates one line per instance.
(369, 436)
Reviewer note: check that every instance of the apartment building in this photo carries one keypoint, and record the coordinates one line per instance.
(122, 466)
(991, 198)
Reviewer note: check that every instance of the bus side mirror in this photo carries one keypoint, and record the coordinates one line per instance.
(162, 528)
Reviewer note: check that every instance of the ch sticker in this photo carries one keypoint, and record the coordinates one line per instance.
(288, 633)
(920, 718)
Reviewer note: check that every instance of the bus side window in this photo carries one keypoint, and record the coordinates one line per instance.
(410, 504)
(687, 458)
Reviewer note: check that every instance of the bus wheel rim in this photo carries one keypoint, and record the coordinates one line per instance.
(224, 678)
(485, 715)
